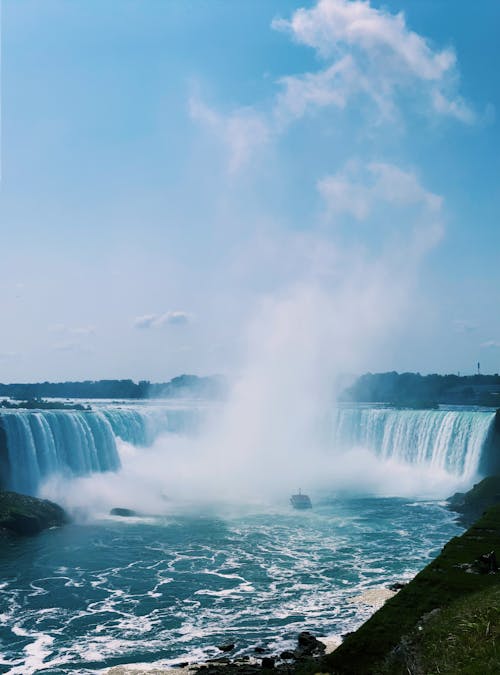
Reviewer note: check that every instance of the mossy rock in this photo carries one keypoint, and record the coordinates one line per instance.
(25, 515)
(472, 504)
(123, 513)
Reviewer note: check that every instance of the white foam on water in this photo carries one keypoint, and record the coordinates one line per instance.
(35, 653)
(261, 577)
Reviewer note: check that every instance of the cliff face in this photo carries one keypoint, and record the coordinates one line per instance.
(464, 567)
(490, 461)
(471, 505)
(4, 460)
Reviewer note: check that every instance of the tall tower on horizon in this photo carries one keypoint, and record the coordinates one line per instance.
(478, 368)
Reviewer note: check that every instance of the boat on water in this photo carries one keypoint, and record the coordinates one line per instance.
(300, 501)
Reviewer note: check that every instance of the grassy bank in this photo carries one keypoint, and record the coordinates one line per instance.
(451, 583)
(461, 639)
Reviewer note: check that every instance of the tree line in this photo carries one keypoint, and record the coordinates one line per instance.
(425, 390)
(184, 385)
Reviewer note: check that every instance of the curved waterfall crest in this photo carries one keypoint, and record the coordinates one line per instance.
(451, 440)
(35, 444)
(40, 443)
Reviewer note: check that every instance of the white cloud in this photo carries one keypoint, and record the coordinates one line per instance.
(173, 318)
(355, 191)
(63, 329)
(369, 51)
(343, 195)
(72, 347)
(146, 321)
(456, 107)
(370, 59)
(332, 24)
(242, 131)
(176, 318)
(398, 186)
(464, 326)
(491, 344)
(330, 87)
(83, 330)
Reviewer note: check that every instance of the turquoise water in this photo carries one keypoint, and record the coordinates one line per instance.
(166, 589)
(90, 596)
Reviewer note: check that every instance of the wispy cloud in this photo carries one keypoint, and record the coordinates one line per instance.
(491, 344)
(72, 347)
(355, 190)
(173, 318)
(72, 339)
(81, 331)
(241, 131)
(370, 59)
(368, 52)
(464, 326)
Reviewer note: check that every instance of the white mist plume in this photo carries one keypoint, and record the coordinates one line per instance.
(330, 302)
(273, 434)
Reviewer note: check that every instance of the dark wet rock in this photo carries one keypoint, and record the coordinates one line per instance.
(397, 586)
(124, 513)
(483, 564)
(309, 645)
(486, 563)
(227, 647)
(268, 662)
(456, 500)
(428, 616)
(260, 650)
(288, 655)
(472, 504)
(25, 515)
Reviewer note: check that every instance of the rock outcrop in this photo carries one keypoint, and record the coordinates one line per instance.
(25, 515)
(472, 504)
(124, 513)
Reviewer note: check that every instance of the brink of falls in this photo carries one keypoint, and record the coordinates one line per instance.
(35, 444)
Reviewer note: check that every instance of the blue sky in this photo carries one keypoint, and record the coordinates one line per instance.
(171, 168)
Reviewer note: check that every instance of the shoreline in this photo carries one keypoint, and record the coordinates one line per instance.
(374, 598)
(223, 663)
(391, 640)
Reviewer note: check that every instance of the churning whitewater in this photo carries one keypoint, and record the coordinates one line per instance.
(77, 443)
(179, 578)
(41, 444)
(170, 589)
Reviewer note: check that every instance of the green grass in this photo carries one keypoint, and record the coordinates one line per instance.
(438, 585)
(462, 639)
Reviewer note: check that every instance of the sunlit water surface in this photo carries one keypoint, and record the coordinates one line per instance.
(170, 589)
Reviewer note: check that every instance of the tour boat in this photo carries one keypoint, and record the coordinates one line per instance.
(300, 501)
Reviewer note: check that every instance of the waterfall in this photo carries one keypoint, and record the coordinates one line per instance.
(142, 426)
(40, 443)
(76, 443)
(36, 444)
(451, 440)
